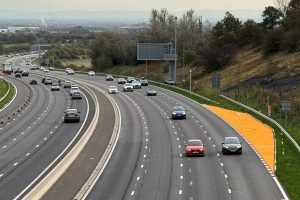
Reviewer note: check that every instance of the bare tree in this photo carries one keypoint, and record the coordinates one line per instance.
(282, 5)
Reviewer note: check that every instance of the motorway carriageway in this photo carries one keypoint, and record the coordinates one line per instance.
(256, 133)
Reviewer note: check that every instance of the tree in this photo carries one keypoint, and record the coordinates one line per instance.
(224, 39)
(290, 41)
(251, 34)
(161, 22)
(189, 31)
(216, 57)
(282, 5)
(273, 42)
(292, 19)
(271, 18)
(227, 30)
(1, 49)
(111, 48)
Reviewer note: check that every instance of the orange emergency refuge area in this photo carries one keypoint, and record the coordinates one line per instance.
(257, 133)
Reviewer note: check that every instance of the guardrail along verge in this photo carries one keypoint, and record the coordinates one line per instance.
(265, 117)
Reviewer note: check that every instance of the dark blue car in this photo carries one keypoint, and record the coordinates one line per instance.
(178, 113)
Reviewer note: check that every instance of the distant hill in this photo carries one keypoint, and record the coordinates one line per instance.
(124, 17)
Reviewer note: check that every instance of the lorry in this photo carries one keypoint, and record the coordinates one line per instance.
(7, 68)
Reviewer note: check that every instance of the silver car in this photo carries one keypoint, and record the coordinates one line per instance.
(136, 84)
(48, 81)
(76, 94)
(71, 115)
(67, 84)
(127, 87)
(55, 86)
(151, 93)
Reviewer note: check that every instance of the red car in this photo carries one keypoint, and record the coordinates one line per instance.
(194, 148)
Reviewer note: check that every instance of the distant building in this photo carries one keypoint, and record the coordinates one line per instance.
(13, 29)
(4, 31)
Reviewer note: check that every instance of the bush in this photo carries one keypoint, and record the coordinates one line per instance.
(273, 42)
(290, 41)
(103, 62)
(216, 57)
(189, 56)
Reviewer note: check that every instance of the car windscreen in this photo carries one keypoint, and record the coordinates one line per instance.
(179, 109)
(231, 141)
(195, 143)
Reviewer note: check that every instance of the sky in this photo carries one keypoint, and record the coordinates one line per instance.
(143, 5)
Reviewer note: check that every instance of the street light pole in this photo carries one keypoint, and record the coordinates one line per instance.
(182, 75)
(146, 68)
(190, 80)
(175, 49)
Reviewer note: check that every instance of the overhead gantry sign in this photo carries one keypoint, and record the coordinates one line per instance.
(159, 52)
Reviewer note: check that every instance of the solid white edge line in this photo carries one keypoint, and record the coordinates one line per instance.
(276, 180)
(281, 188)
(118, 112)
(5, 95)
(57, 158)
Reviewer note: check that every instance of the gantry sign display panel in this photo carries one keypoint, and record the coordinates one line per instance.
(155, 51)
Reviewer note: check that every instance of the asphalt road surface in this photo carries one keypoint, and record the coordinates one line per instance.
(149, 161)
(36, 135)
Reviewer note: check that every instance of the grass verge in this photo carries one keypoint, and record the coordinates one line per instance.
(3, 87)
(9, 97)
(288, 158)
(78, 63)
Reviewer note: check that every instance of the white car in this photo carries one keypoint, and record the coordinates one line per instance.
(74, 87)
(45, 70)
(127, 87)
(113, 89)
(70, 71)
(55, 86)
(48, 81)
(136, 84)
(76, 94)
(91, 73)
(74, 91)
(67, 84)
